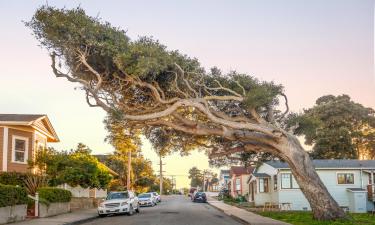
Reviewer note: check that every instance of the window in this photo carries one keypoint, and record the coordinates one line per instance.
(274, 182)
(238, 184)
(263, 185)
(288, 181)
(19, 149)
(345, 178)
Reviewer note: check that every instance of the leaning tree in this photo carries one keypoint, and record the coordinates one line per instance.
(171, 99)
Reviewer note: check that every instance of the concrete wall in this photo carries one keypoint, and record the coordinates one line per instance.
(82, 203)
(13, 213)
(53, 209)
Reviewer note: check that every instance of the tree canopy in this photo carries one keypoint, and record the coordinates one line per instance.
(170, 98)
(338, 128)
(75, 167)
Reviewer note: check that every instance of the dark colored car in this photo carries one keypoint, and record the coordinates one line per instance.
(200, 197)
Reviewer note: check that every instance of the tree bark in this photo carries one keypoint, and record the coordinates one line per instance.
(323, 206)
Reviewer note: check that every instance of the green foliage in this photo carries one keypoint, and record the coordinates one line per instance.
(305, 218)
(13, 178)
(338, 128)
(12, 195)
(196, 177)
(76, 167)
(51, 194)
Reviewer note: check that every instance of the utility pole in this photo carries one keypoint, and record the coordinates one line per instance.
(161, 174)
(129, 170)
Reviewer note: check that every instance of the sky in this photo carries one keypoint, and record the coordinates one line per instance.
(313, 48)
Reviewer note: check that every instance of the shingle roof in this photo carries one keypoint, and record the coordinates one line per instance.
(239, 170)
(20, 117)
(330, 163)
(261, 175)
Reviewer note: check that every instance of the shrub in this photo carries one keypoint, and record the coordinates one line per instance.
(51, 195)
(12, 178)
(12, 195)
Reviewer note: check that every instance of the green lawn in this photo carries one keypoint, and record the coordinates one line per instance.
(305, 218)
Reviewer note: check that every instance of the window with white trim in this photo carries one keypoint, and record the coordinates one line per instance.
(288, 181)
(238, 184)
(19, 149)
(345, 178)
(263, 185)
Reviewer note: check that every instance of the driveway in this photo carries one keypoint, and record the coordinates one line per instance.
(173, 210)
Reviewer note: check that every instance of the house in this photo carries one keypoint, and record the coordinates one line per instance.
(350, 182)
(238, 178)
(224, 177)
(21, 135)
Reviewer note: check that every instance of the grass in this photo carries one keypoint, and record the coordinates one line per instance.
(305, 218)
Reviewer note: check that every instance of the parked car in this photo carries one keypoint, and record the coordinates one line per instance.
(191, 192)
(119, 202)
(147, 199)
(157, 196)
(200, 197)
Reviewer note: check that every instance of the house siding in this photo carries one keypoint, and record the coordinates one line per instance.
(17, 167)
(295, 196)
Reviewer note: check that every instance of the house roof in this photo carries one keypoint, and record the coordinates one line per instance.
(260, 175)
(39, 122)
(240, 170)
(19, 117)
(330, 164)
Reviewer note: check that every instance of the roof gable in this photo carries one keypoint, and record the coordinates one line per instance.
(240, 170)
(39, 122)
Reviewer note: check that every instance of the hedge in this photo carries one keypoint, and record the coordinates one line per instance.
(12, 178)
(51, 195)
(12, 195)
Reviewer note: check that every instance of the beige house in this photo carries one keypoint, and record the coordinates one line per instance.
(238, 180)
(21, 135)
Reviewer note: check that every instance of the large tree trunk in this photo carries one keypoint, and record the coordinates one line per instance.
(323, 206)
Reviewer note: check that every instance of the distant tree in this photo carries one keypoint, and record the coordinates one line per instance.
(196, 177)
(338, 128)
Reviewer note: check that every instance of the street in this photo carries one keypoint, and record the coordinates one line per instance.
(173, 210)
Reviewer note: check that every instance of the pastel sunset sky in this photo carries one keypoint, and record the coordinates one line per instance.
(313, 48)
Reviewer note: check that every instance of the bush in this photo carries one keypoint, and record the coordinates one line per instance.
(12, 195)
(51, 195)
(12, 178)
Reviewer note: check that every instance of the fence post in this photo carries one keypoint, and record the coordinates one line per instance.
(36, 204)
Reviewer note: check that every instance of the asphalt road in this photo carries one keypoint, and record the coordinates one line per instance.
(173, 210)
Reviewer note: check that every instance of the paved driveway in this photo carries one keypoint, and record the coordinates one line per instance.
(173, 210)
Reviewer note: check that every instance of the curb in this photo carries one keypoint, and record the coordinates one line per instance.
(82, 220)
(230, 215)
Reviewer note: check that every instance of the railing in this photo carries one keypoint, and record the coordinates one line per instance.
(371, 192)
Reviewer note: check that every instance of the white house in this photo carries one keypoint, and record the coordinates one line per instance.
(350, 182)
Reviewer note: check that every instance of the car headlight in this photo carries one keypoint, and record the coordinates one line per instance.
(124, 203)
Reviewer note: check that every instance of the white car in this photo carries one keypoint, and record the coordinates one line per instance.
(147, 199)
(157, 196)
(119, 202)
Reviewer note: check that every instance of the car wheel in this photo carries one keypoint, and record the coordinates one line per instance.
(131, 210)
(137, 209)
(101, 215)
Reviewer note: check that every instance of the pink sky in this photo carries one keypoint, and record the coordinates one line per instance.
(313, 48)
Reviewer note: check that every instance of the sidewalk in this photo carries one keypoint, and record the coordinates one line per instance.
(74, 217)
(242, 215)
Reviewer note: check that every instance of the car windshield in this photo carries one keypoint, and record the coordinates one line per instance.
(200, 194)
(117, 195)
(144, 196)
